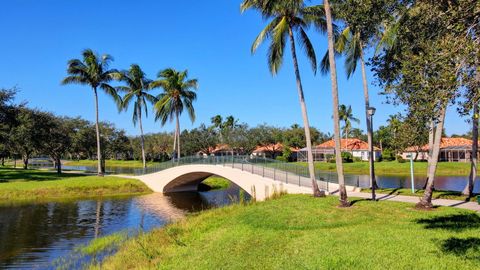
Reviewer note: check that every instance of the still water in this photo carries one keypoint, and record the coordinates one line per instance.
(451, 183)
(35, 236)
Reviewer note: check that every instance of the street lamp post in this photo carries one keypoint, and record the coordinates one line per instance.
(371, 112)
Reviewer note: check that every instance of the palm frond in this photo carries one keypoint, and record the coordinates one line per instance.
(307, 46)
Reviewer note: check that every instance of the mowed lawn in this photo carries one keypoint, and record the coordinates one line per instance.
(302, 232)
(396, 168)
(18, 185)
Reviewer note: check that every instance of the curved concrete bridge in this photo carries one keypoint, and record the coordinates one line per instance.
(258, 179)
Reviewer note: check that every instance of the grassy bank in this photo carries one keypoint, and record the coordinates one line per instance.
(18, 186)
(437, 194)
(109, 163)
(216, 183)
(396, 168)
(301, 232)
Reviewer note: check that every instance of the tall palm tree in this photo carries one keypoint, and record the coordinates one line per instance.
(93, 71)
(179, 93)
(287, 17)
(333, 76)
(345, 114)
(136, 88)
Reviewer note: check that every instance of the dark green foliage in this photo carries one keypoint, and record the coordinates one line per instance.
(388, 155)
(400, 159)
(347, 157)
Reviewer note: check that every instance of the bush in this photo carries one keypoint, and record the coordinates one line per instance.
(388, 155)
(357, 159)
(400, 159)
(347, 157)
(281, 158)
(331, 160)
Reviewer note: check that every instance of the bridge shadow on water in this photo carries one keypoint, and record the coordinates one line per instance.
(467, 248)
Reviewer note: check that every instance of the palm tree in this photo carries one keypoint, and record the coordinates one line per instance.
(287, 17)
(333, 76)
(93, 71)
(136, 88)
(217, 122)
(346, 115)
(179, 92)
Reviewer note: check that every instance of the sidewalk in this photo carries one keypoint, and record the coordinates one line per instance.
(412, 199)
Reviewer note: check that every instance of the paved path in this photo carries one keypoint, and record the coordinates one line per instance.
(412, 199)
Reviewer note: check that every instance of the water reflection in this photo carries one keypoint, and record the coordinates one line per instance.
(33, 236)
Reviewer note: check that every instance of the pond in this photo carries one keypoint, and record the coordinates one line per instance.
(451, 183)
(35, 236)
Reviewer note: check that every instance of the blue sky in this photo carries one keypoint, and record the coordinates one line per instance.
(209, 38)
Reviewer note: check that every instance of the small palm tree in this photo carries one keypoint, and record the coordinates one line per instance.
(136, 88)
(93, 71)
(179, 93)
(288, 17)
(345, 114)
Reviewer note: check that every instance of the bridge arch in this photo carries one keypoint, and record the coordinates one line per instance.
(188, 177)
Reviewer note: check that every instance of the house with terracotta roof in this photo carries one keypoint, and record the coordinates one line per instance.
(220, 150)
(326, 150)
(272, 150)
(451, 149)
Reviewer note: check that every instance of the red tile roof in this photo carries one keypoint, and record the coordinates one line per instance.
(278, 147)
(349, 144)
(445, 142)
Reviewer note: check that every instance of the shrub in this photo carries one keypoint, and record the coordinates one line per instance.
(331, 160)
(347, 157)
(388, 155)
(400, 159)
(281, 158)
(357, 159)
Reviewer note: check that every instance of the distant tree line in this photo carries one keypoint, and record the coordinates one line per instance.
(26, 133)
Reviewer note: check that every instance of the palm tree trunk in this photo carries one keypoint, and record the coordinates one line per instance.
(142, 139)
(174, 144)
(303, 106)
(97, 130)
(426, 201)
(373, 181)
(336, 121)
(178, 133)
(473, 159)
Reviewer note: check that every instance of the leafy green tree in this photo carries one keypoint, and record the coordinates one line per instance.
(58, 141)
(31, 132)
(199, 139)
(287, 18)
(179, 92)
(93, 70)
(420, 71)
(8, 119)
(136, 87)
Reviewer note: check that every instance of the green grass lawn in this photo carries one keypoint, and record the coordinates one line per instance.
(437, 194)
(301, 232)
(396, 168)
(109, 163)
(216, 183)
(22, 186)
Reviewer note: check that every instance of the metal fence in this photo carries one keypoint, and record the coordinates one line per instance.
(285, 172)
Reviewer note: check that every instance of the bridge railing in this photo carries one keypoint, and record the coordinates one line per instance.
(289, 173)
